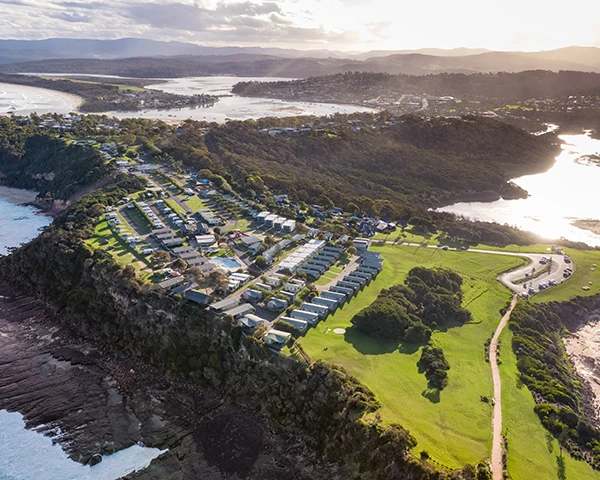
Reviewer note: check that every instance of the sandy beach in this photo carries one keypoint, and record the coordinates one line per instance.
(25, 99)
(590, 225)
(16, 196)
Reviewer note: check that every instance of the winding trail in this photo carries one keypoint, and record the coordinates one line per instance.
(497, 467)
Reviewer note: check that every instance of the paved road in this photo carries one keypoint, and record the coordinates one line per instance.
(497, 466)
(557, 267)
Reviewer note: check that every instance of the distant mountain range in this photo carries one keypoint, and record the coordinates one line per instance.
(150, 58)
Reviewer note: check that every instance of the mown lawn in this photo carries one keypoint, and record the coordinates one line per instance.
(454, 427)
(105, 239)
(195, 203)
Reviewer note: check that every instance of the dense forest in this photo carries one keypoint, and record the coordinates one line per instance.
(365, 85)
(424, 162)
(104, 302)
(47, 165)
(428, 300)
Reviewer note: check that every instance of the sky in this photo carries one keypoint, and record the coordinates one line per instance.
(350, 25)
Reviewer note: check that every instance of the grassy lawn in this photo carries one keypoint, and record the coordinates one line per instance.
(195, 203)
(141, 223)
(241, 224)
(454, 427)
(105, 239)
(173, 205)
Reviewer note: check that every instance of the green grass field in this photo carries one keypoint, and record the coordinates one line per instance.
(453, 426)
(195, 203)
(105, 239)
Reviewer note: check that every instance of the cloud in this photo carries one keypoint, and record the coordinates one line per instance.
(339, 24)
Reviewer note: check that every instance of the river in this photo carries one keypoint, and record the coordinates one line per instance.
(569, 192)
(24, 100)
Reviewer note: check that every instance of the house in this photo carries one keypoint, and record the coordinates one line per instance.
(173, 242)
(351, 278)
(198, 297)
(222, 305)
(274, 281)
(294, 286)
(371, 260)
(252, 295)
(252, 243)
(277, 304)
(250, 322)
(346, 284)
(361, 243)
(180, 250)
(289, 226)
(205, 241)
(171, 283)
(367, 276)
(276, 339)
(340, 298)
(261, 217)
(310, 317)
(184, 287)
(301, 325)
(288, 295)
(240, 311)
(320, 310)
(326, 302)
(363, 269)
(233, 285)
(264, 286)
(240, 277)
(340, 289)
(270, 220)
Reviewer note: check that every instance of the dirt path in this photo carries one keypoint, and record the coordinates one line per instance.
(497, 415)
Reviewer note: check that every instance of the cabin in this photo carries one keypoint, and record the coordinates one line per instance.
(326, 302)
(252, 295)
(252, 243)
(301, 325)
(171, 283)
(251, 322)
(261, 217)
(320, 310)
(289, 226)
(276, 339)
(362, 244)
(240, 311)
(294, 286)
(310, 317)
(277, 304)
(340, 298)
(198, 297)
(349, 292)
(222, 305)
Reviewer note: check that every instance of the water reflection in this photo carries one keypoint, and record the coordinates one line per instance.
(569, 191)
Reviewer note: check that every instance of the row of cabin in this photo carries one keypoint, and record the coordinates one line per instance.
(270, 220)
(317, 264)
(293, 262)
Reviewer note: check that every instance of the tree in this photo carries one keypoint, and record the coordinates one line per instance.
(268, 241)
(160, 257)
(261, 261)
(218, 280)
(194, 274)
(180, 265)
(352, 250)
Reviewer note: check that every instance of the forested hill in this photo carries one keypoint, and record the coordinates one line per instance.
(425, 162)
(47, 165)
(366, 85)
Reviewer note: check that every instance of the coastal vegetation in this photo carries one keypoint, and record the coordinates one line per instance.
(429, 300)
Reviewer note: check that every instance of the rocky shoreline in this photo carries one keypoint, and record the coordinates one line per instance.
(102, 404)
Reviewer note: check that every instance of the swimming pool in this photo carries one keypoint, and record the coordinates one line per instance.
(227, 263)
